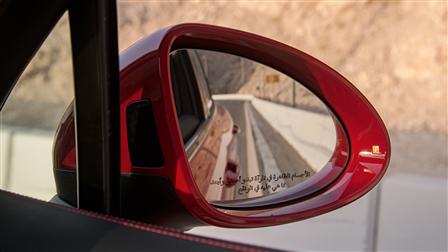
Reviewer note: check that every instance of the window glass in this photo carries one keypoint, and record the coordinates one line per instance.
(185, 89)
(31, 114)
(201, 81)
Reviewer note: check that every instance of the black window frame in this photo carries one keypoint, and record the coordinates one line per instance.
(187, 97)
(94, 42)
(201, 80)
(182, 71)
(193, 142)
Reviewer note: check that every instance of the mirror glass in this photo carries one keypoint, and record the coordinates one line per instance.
(254, 136)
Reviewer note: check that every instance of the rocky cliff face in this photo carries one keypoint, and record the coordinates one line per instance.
(226, 73)
(394, 52)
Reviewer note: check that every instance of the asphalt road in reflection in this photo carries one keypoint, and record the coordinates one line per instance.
(262, 150)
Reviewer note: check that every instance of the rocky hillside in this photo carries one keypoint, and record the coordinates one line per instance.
(394, 52)
(226, 73)
(231, 74)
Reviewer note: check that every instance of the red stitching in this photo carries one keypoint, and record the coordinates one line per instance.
(163, 230)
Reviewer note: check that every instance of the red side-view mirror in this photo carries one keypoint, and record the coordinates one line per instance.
(232, 129)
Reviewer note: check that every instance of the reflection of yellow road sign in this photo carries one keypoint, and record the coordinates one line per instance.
(272, 78)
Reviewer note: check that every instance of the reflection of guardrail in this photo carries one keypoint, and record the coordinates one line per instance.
(297, 105)
(292, 97)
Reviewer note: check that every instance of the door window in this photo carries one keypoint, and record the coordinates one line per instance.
(31, 114)
(201, 81)
(189, 102)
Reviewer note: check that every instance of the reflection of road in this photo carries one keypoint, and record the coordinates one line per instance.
(287, 158)
(262, 150)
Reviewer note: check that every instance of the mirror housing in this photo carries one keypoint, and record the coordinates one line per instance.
(145, 76)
